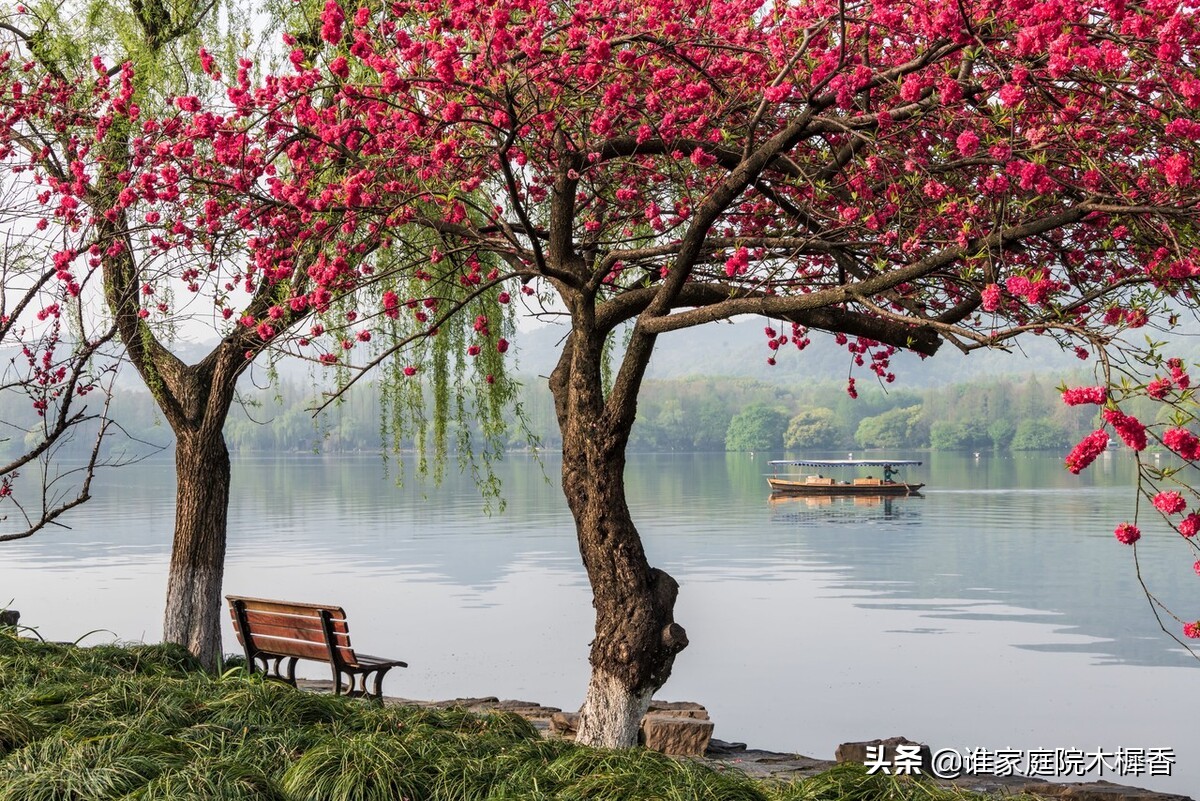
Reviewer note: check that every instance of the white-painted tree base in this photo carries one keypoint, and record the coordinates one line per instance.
(611, 713)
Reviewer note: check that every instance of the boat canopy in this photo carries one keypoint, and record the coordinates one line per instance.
(846, 462)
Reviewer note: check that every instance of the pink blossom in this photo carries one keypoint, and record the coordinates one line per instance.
(1170, 503)
(737, 263)
(1158, 388)
(1075, 396)
(1018, 285)
(1192, 630)
(1183, 442)
(1128, 428)
(1178, 374)
(502, 345)
(410, 370)
(991, 297)
(1128, 533)
(1087, 450)
(967, 143)
(391, 304)
(774, 94)
(1190, 525)
(1177, 169)
(332, 19)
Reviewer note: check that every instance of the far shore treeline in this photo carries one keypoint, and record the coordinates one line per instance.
(697, 414)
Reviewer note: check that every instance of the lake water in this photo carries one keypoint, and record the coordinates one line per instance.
(997, 611)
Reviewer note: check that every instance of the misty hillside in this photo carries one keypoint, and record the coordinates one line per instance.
(739, 350)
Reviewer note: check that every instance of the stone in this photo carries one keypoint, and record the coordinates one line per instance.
(9, 617)
(857, 752)
(564, 723)
(680, 709)
(529, 709)
(675, 735)
(1098, 791)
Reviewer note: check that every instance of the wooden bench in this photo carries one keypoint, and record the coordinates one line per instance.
(272, 631)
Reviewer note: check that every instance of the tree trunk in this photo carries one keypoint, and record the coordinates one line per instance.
(193, 613)
(636, 635)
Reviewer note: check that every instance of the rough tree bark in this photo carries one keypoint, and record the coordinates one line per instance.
(637, 637)
(198, 547)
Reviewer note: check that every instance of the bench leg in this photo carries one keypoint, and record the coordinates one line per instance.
(337, 680)
(379, 674)
(356, 682)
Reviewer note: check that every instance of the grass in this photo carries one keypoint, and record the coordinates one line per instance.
(143, 723)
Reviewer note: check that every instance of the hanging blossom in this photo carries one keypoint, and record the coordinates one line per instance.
(1170, 502)
(1075, 396)
(1087, 450)
(1183, 442)
(1190, 525)
(1128, 533)
(1128, 428)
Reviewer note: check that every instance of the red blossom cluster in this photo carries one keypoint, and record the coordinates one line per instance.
(1128, 428)
(1183, 442)
(1075, 396)
(1169, 502)
(1128, 533)
(1087, 450)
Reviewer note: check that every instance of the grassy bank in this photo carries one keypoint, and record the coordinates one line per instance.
(142, 722)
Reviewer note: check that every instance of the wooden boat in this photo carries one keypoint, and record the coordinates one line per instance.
(823, 485)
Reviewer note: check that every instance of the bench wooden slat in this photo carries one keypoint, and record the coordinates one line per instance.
(305, 650)
(288, 607)
(296, 635)
(263, 620)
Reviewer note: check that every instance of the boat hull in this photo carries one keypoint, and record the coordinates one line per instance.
(790, 487)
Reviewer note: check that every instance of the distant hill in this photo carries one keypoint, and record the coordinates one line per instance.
(738, 349)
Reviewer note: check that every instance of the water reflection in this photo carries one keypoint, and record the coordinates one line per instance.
(816, 510)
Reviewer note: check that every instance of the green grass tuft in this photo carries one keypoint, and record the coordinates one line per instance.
(367, 766)
(144, 724)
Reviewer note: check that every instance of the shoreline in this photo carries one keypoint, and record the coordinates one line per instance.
(764, 764)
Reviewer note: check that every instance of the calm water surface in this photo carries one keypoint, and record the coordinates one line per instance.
(997, 611)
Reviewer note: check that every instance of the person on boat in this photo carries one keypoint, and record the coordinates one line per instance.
(889, 473)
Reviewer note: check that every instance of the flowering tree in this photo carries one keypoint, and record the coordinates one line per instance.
(103, 145)
(73, 85)
(897, 174)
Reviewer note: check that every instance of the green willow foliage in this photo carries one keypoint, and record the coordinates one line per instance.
(143, 723)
